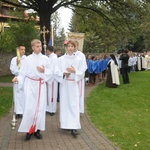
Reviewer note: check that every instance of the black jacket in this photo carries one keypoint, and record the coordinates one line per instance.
(124, 60)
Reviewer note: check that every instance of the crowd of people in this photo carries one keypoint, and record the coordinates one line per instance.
(37, 76)
(108, 67)
(43, 80)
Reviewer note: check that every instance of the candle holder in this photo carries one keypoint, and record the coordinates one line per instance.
(13, 122)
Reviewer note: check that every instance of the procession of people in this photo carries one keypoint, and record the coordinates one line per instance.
(38, 77)
(103, 67)
(39, 80)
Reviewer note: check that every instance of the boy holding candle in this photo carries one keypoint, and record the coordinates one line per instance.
(33, 75)
(15, 65)
(68, 72)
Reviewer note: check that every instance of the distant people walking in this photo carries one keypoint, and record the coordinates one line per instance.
(15, 65)
(124, 57)
(33, 75)
(112, 80)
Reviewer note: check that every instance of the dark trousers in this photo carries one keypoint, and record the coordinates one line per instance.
(58, 97)
(92, 78)
(125, 76)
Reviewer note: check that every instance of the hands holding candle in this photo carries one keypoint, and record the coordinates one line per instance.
(41, 69)
(15, 80)
(66, 75)
(71, 69)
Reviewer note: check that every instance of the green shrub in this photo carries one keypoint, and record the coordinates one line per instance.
(19, 33)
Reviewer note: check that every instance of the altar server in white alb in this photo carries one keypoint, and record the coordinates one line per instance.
(69, 71)
(15, 65)
(52, 90)
(81, 83)
(33, 75)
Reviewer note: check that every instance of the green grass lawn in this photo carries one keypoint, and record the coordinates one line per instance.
(6, 78)
(6, 96)
(6, 100)
(123, 114)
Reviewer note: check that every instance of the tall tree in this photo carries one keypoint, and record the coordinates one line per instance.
(145, 27)
(45, 8)
(113, 29)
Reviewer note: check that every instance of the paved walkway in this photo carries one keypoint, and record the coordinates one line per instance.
(54, 138)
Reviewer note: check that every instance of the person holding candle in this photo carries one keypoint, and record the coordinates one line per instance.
(15, 66)
(68, 72)
(33, 75)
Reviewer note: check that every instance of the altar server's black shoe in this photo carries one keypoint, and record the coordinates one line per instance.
(58, 100)
(52, 114)
(28, 136)
(74, 133)
(18, 116)
(38, 135)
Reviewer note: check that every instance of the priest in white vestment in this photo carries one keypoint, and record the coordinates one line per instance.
(33, 75)
(52, 88)
(69, 71)
(15, 65)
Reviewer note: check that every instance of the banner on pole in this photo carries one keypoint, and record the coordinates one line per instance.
(51, 40)
(77, 37)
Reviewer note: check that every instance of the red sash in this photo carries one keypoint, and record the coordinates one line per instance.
(33, 126)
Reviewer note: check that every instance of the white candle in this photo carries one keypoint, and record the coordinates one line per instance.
(18, 57)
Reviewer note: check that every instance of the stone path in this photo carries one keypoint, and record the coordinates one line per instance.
(54, 138)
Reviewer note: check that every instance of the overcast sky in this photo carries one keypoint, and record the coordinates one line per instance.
(65, 16)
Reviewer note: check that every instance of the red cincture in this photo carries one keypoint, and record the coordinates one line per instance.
(33, 126)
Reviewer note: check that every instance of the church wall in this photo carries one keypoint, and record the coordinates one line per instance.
(5, 59)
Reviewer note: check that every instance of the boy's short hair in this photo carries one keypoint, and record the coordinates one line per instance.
(71, 42)
(57, 50)
(50, 48)
(35, 41)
